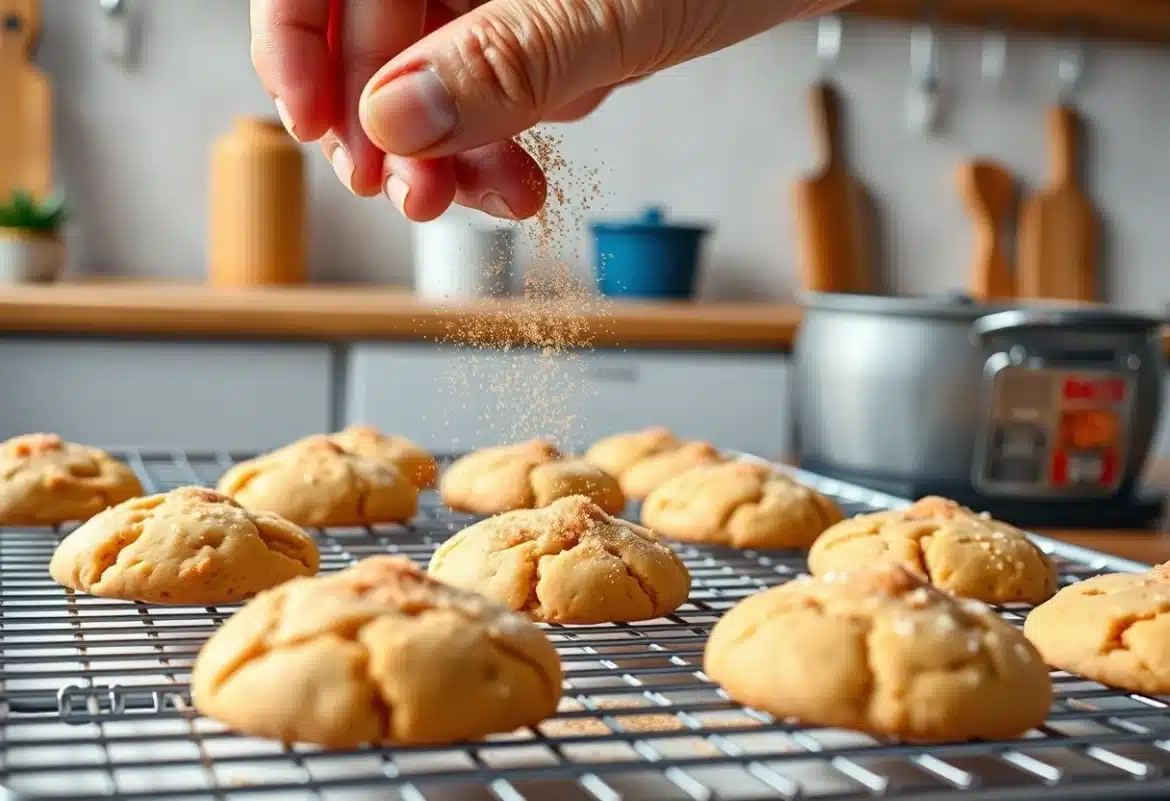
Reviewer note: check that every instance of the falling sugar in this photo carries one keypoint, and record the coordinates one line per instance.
(526, 356)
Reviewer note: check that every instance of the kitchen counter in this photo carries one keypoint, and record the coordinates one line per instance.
(361, 312)
(375, 313)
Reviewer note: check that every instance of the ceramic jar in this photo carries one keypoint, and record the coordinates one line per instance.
(257, 220)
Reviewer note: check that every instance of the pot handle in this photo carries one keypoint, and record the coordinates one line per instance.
(1071, 319)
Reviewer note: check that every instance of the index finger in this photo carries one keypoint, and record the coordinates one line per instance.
(290, 51)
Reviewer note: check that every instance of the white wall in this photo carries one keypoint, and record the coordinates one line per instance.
(721, 139)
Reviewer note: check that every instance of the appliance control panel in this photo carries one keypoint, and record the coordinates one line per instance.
(1054, 431)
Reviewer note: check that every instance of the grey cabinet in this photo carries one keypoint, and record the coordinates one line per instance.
(453, 398)
(165, 395)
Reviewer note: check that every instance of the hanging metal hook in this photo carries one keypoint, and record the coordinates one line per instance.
(828, 41)
(119, 31)
(1070, 66)
(923, 101)
(993, 56)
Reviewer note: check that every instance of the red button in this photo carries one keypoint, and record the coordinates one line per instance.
(1059, 468)
(1075, 389)
(1108, 467)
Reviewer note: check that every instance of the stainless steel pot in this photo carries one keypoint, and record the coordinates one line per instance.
(896, 391)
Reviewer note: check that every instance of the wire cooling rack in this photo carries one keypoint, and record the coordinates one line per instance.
(95, 702)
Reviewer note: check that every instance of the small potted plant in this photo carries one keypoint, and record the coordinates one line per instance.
(31, 246)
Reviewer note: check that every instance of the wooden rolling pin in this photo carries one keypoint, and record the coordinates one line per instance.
(831, 214)
(1058, 227)
(989, 192)
(26, 100)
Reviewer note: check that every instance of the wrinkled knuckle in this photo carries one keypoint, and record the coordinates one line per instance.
(509, 57)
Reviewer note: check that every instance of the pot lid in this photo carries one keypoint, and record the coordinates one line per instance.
(652, 220)
(956, 305)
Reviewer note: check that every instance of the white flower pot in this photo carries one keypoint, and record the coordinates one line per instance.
(30, 258)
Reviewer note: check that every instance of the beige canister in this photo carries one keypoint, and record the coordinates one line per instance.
(258, 214)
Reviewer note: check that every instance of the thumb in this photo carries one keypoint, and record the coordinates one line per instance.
(498, 70)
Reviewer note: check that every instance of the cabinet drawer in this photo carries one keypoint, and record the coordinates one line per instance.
(165, 395)
(446, 398)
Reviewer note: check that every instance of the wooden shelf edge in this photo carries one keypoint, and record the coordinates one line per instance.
(362, 313)
(1144, 21)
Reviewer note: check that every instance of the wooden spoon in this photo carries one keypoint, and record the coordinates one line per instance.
(990, 192)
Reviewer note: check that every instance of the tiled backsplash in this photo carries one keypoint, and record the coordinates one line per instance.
(721, 139)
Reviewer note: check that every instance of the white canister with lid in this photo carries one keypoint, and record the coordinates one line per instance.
(463, 254)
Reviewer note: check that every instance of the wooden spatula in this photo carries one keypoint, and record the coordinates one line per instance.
(1058, 227)
(833, 228)
(989, 192)
(25, 105)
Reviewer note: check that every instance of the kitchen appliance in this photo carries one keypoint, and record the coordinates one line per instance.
(1042, 416)
(647, 257)
(97, 701)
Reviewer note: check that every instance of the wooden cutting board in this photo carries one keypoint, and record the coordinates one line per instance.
(989, 192)
(26, 135)
(1058, 226)
(833, 229)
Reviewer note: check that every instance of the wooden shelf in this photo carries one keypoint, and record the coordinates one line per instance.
(1145, 21)
(169, 310)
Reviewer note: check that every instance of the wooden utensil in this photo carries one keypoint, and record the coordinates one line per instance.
(1058, 227)
(832, 226)
(26, 136)
(989, 192)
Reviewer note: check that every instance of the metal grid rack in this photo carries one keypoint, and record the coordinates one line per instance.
(95, 703)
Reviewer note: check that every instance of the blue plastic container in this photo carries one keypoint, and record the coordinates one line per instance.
(647, 258)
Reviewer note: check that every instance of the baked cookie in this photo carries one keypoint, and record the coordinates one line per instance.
(1113, 629)
(315, 482)
(529, 475)
(643, 460)
(739, 504)
(412, 461)
(569, 562)
(952, 547)
(45, 481)
(881, 652)
(379, 653)
(188, 546)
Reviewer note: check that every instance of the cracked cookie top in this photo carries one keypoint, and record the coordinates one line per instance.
(45, 480)
(643, 460)
(957, 550)
(527, 475)
(379, 653)
(189, 546)
(1114, 629)
(568, 563)
(739, 504)
(408, 458)
(880, 651)
(316, 482)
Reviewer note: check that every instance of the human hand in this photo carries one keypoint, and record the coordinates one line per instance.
(421, 100)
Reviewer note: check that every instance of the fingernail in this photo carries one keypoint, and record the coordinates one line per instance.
(397, 189)
(411, 112)
(342, 166)
(286, 119)
(494, 205)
